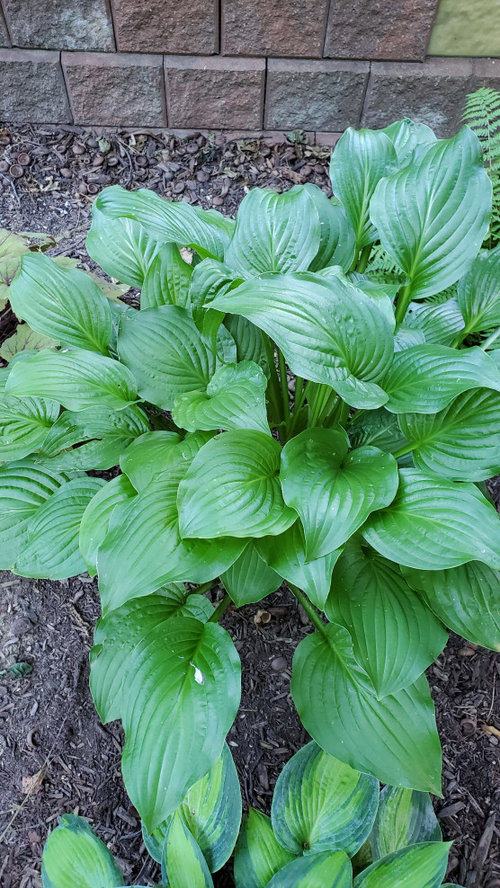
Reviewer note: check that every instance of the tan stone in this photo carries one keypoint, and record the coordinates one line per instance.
(466, 28)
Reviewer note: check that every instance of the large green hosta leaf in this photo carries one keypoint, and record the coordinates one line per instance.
(179, 693)
(121, 247)
(478, 293)
(359, 161)
(77, 379)
(232, 488)
(24, 425)
(235, 398)
(406, 135)
(167, 279)
(328, 331)
(154, 452)
(326, 869)
(51, 549)
(465, 598)
(64, 304)
(393, 739)
(274, 232)
(73, 856)
(143, 549)
(395, 636)
(404, 817)
(249, 341)
(426, 378)
(258, 854)
(286, 554)
(95, 520)
(435, 524)
(211, 811)
(183, 862)
(249, 578)
(205, 230)
(418, 866)
(461, 442)
(321, 804)
(166, 353)
(337, 238)
(432, 215)
(24, 488)
(334, 489)
(438, 322)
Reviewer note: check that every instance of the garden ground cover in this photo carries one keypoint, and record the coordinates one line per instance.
(55, 757)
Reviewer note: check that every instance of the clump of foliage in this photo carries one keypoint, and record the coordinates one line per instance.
(329, 825)
(482, 114)
(300, 403)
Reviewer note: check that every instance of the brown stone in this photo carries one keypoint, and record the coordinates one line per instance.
(32, 88)
(215, 92)
(167, 26)
(314, 95)
(115, 90)
(4, 34)
(381, 29)
(274, 27)
(60, 24)
(432, 93)
(486, 72)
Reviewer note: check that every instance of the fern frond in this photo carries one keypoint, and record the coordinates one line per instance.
(482, 114)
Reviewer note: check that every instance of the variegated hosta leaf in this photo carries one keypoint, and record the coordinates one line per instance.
(394, 634)
(155, 452)
(167, 279)
(465, 598)
(326, 869)
(183, 862)
(121, 247)
(258, 855)
(24, 339)
(96, 517)
(232, 488)
(191, 671)
(426, 378)
(24, 425)
(393, 739)
(433, 214)
(249, 578)
(404, 817)
(64, 304)
(73, 856)
(75, 378)
(321, 804)
(51, 549)
(461, 442)
(334, 489)
(434, 524)
(235, 398)
(274, 232)
(211, 811)
(166, 353)
(286, 554)
(418, 866)
(328, 331)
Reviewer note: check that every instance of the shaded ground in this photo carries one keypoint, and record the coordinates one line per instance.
(48, 727)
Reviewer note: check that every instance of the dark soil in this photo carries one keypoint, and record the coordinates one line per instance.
(55, 757)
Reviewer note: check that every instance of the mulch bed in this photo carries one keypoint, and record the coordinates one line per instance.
(55, 757)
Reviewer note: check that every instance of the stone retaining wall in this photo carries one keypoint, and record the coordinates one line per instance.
(253, 65)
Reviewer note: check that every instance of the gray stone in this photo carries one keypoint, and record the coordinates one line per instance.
(115, 90)
(314, 95)
(381, 29)
(215, 92)
(167, 26)
(274, 27)
(433, 93)
(60, 24)
(32, 88)
(4, 34)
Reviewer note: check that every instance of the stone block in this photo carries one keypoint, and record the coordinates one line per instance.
(4, 34)
(314, 95)
(60, 24)
(32, 88)
(214, 92)
(274, 27)
(432, 93)
(381, 29)
(167, 26)
(115, 90)
(486, 72)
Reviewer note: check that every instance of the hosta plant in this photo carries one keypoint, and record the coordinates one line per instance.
(313, 398)
(330, 827)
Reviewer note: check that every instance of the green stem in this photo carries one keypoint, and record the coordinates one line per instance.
(491, 339)
(274, 386)
(363, 259)
(285, 397)
(309, 609)
(205, 587)
(300, 391)
(220, 610)
(403, 451)
(404, 299)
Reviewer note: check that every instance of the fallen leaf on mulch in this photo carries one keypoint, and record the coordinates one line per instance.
(33, 784)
